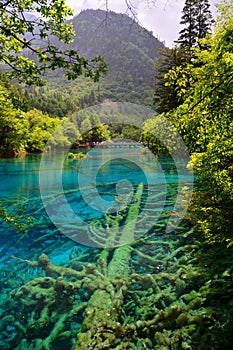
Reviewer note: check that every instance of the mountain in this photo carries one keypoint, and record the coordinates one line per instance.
(129, 49)
(130, 52)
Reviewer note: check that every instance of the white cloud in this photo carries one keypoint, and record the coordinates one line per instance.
(163, 19)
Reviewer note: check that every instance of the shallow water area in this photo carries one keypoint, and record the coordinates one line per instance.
(71, 212)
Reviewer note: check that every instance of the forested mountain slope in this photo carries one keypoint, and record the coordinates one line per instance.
(130, 52)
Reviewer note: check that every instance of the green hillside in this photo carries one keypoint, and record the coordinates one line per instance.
(130, 52)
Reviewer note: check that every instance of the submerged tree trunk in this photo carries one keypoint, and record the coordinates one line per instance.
(103, 307)
(146, 293)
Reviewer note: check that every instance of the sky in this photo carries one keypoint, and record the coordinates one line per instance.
(162, 17)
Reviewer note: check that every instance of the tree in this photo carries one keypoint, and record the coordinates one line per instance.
(205, 121)
(166, 95)
(197, 19)
(25, 48)
(30, 131)
(92, 130)
(41, 127)
(173, 77)
(13, 126)
(19, 100)
(187, 36)
(204, 18)
(86, 130)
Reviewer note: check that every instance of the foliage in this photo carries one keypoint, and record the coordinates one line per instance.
(174, 69)
(197, 19)
(51, 99)
(173, 292)
(150, 129)
(124, 131)
(92, 130)
(130, 52)
(204, 121)
(162, 138)
(167, 89)
(18, 98)
(25, 45)
(13, 125)
(129, 49)
(78, 155)
(22, 131)
(18, 222)
(41, 126)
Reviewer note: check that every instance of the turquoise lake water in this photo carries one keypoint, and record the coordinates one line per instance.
(60, 202)
(90, 186)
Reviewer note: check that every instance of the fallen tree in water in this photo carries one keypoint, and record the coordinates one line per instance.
(147, 294)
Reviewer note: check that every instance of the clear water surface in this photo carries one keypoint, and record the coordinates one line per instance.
(90, 187)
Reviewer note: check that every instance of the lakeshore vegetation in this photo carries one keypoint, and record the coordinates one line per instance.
(188, 303)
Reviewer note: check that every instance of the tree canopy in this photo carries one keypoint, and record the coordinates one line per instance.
(196, 19)
(204, 120)
(166, 95)
(173, 73)
(25, 31)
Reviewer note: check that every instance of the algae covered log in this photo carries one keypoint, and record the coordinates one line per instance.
(83, 308)
(102, 305)
(156, 292)
(119, 264)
